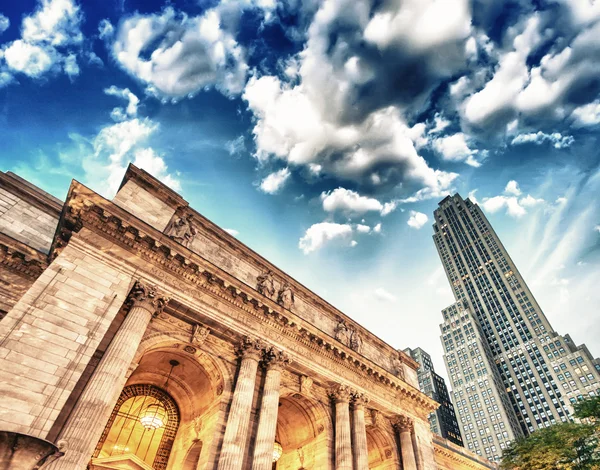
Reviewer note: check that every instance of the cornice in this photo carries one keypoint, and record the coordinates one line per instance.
(20, 258)
(460, 456)
(84, 208)
(44, 202)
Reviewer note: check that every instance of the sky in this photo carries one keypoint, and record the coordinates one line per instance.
(323, 134)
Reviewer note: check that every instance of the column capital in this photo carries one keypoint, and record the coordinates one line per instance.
(148, 297)
(403, 424)
(275, 359)
(341, 393)
(359, 400)
(250, 347)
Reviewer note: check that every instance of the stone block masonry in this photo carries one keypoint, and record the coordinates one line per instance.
(144, 205)
(49, 336)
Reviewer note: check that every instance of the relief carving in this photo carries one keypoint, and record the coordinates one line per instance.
(306, 384)
(199, 334)
(265, 284)
(275, 359)
(341, 393)
(148, 297)
(250, 347)
(397, 368)
(403, 424)
(285, 297)
(376, 418)
(181, 230)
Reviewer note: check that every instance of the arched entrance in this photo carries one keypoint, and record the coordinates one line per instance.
(142, 427)
(194, 386)
(383, 454)
(304, 432)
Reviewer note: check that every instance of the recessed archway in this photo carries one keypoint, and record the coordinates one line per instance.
(304, 432)
(383, 453)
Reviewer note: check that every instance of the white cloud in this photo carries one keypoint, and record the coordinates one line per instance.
(363, 228)
(120, 114)
(472, 196)
(587, 115)
(439, 123)
(353, 243)
(512, 187)
(232, 232)
(187, 53)
(236, 146)
(105, 29)
(56, 22)
(530, 201)
(417, 220)
(148, 160)
(597, 228)
(50, 40)
(322, 114)
(4, 23)
(275, 181)
(384, 295)
(319, 234)
(346, 200)
(377, 228)
(455, 148)
(30, 59)
(514, 206)
(556, 139)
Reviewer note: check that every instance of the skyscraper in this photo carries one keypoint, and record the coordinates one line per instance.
(511, 373)
(443, 420)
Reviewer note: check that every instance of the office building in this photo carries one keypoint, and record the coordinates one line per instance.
(497, 339)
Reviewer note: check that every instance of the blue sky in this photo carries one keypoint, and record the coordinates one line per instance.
(324, 133)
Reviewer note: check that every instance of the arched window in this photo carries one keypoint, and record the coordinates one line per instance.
(143, 423)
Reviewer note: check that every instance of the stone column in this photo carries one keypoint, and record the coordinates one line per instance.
(404, 426)
(90, 414)
(343, 447)
(275, 361)
(359, 433)
(236, 432)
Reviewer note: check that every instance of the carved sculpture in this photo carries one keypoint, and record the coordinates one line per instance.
(266, 285)
(181, 230)
(403, 424)
(356, 341)
(306, 384)
(397, 368)
(199, 334)
(348, 336)
(285, 298)
(376, 418)
(250, 347)
(342, 333)
(341, 392)
(274, 358)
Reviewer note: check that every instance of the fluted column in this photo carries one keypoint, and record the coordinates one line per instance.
(359, 433)
(404, 427)
(343, 446)
(90, 414)
(236, 432)
(275, 361)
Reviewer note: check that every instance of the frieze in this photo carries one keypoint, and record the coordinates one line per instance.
(20, 258)
(214, 281)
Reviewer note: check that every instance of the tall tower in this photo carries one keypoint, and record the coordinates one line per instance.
(443, 420)
(497, 333)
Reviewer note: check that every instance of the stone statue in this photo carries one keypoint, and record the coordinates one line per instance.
(306, 384)
(181, 230)
(397, 369)
(266, 284)
(356, 341)
(285, 298)
(342, 333)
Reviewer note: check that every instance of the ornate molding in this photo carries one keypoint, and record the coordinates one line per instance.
(20, 258)
(148, 297)
(181, 229)
(84, 207)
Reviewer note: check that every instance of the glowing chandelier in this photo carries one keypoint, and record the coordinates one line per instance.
(277, 451)
(155, 416)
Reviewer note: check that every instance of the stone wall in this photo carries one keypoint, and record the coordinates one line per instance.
(144, 205)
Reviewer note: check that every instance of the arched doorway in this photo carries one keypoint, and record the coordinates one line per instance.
(142, 427)
(193, 456)
(304, 433)
(382, 450)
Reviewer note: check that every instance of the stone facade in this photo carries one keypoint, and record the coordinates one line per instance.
(141, 335)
